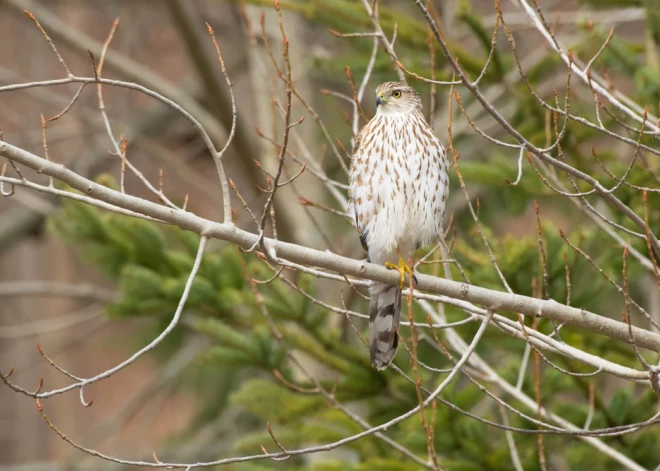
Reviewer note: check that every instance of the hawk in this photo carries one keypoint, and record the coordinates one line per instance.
(398, 187)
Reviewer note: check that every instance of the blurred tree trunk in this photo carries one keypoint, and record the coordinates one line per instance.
(267, 118)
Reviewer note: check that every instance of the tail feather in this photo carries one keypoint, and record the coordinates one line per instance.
(384, 313)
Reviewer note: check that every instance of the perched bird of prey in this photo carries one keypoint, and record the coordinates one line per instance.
(398, 187)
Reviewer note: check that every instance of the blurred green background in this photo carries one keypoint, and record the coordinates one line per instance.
(208, 391)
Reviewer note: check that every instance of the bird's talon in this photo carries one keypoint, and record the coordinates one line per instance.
(402, 267)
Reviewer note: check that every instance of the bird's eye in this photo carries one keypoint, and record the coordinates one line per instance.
(396, 93)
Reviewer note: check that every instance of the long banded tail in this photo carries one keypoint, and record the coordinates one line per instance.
(384, 313)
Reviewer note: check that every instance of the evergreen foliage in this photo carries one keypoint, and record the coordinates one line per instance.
(150, 264)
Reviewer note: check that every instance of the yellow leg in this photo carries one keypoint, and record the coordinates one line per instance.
(402, 267)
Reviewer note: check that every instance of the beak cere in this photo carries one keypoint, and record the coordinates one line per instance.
(379, 100)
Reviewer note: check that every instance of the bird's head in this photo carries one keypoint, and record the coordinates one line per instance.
(397, 97)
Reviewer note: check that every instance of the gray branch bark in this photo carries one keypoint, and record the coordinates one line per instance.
(491, 299)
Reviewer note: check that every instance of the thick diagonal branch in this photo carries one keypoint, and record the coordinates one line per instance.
(491, 299)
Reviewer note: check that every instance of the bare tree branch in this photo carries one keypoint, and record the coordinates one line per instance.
(492, 299)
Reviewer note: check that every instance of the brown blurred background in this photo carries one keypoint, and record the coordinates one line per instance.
(163, 45)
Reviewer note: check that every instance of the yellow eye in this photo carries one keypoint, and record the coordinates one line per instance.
(396, 93)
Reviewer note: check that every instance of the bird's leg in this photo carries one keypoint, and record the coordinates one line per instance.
(402, 267)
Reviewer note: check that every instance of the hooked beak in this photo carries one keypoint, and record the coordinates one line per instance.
(380, 100)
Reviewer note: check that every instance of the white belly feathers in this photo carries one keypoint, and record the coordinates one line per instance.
(398, 185)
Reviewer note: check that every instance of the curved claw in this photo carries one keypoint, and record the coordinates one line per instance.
(402, 267)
